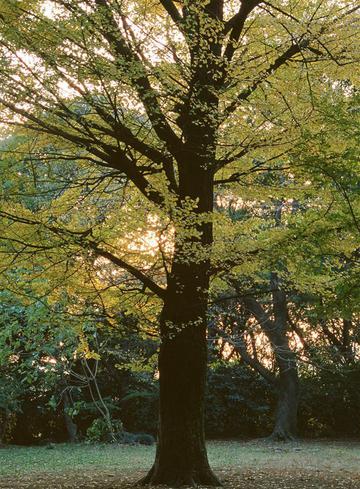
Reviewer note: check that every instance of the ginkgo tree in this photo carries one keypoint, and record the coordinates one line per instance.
(175, 98)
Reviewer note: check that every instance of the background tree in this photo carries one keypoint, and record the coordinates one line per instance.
(272, 290)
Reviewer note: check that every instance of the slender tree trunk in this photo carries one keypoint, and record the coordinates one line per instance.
(71, 427)
(287, 408)
(3, 426)
(1, 431)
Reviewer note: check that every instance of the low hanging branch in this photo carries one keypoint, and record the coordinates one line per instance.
(147, 281)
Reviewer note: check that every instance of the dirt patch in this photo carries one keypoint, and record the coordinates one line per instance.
(248, 479)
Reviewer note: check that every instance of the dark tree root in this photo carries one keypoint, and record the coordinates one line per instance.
(144, 481)
(203, 477)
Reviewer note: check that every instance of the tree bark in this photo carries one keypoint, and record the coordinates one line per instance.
(285, 428)
(181, 457)
(287, 408)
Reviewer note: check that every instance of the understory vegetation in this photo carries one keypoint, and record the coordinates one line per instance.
(239, 404)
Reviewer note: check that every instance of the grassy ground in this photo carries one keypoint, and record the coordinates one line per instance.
(243, 465)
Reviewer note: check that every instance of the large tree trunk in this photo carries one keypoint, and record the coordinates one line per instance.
(181, 457)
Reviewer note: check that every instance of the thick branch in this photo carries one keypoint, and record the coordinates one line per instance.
(253, 362)
(334, 340)
(298, 331)
(259, 312)
(138, 274)
(116, 128)
(236, 24)
(279, 302)
(80, 237)
(122, 133)
(121, 162)
(138, 76)
(171, 9)
(113, 158)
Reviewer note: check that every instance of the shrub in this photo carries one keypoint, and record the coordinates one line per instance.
(100, 431)
(139, 411)
(238, 402)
